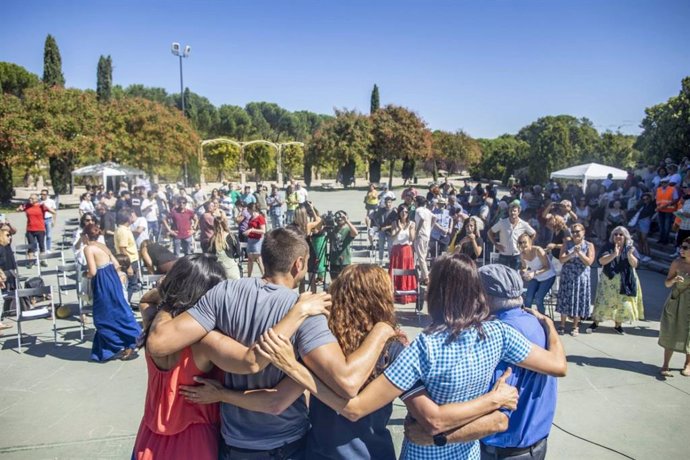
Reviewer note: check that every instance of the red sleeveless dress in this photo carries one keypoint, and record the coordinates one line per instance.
(173, 428)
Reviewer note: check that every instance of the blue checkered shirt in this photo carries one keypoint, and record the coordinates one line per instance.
(455, 372)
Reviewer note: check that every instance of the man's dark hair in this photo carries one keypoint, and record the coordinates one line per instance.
(280, 249)
(420, 200)
(123, 216)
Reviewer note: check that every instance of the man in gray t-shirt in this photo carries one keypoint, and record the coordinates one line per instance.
(244, 309)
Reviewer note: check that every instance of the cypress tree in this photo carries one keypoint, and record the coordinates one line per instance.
(52, 63)
(374, 162)
(104, 83)
(375, 103)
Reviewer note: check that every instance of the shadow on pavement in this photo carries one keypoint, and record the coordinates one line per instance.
(412, 319)
(610, 363)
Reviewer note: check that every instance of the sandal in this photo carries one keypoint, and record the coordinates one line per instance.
(561, 331)
(575, 332)
(129, 354)
(4, 326)
(685, 372)
(666, 373)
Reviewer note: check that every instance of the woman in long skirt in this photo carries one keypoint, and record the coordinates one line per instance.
(116, 329)
(402, 255)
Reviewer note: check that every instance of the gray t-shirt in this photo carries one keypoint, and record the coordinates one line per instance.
(244, 309)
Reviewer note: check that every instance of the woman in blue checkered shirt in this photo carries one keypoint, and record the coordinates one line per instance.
(454, 358)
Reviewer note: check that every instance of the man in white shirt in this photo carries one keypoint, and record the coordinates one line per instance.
(139, 228)
(423, 220)
(385, 193)
(302, 194)
(199, 195)
(508, 231)
(49, 203)
(150, 212)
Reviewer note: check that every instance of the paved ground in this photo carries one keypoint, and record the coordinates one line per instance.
(54, 404)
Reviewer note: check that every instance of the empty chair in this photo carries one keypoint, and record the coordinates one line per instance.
(417, 293)
(34, 313)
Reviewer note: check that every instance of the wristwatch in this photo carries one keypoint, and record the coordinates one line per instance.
(440, 439)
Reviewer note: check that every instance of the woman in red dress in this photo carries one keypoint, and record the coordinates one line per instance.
(173, 428)
(402, 255)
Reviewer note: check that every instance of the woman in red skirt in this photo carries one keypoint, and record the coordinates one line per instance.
(402, 254)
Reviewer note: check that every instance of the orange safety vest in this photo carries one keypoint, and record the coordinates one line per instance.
(664, 198)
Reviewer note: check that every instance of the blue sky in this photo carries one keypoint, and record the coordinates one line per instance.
(487, 67)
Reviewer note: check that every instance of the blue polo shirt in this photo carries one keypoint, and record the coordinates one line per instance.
(531, 421)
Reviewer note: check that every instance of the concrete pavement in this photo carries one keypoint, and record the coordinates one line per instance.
(54, 404)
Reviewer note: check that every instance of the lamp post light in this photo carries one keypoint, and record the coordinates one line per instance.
(177, 50)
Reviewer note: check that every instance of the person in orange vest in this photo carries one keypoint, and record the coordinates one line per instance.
(666, 200)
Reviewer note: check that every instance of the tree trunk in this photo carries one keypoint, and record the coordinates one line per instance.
(374, 171)
(390, 174)
(6, 189)
(307, 173)
(61, 173)
(435, 171)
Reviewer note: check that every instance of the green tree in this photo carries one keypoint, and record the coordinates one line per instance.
(52, 63)
(293, 160)
(666, 127)
(233, 122)
(63, 129)
(221, 159)
(15, 131)
(453, 151)
(148, 135)
(557, 142)
(159, 95)
(14, 79)
(501, 158)
(104, 78)
(617, 149)
(346, 139)
(262, 159)
(200, 111)
(399, 133)
(272, 122)
(374, 157)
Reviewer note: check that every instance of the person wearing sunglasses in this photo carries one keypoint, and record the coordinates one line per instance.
(674, 334)
(619, 295)
(574, 294)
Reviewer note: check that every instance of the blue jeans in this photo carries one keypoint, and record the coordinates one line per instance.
(510, 261)
(536, 291)
(383, 242)
(49, 233)
(185, 243)
(665, 223)
(276, 221)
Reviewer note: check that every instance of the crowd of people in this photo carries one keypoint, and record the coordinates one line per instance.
(229, 355)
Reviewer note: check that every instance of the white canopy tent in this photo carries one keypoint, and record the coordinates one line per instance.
(107, 169)
(589, 171)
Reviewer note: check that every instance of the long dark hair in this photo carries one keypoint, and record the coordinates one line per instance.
(456, 296)
(188, 280)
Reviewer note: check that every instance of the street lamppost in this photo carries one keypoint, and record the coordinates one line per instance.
(176, 50)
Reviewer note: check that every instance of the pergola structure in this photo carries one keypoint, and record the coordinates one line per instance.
(278, 146)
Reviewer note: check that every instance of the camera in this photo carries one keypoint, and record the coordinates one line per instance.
(330, 219)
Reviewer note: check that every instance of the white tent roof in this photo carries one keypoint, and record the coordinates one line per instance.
(108, 169)
(590, 171)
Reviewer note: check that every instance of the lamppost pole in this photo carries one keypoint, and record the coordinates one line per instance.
(177, 50)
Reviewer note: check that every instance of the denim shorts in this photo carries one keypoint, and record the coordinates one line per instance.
(254, 246)
(644, 224)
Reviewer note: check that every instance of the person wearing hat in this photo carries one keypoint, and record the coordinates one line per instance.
(529, 425)
(385, 193)
(666, 203)
(505, 233)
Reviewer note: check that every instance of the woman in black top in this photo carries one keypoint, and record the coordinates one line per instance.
(467, 241)
(158, 259)
(8, 266)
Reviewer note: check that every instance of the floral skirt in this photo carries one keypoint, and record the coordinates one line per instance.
(610, 304)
